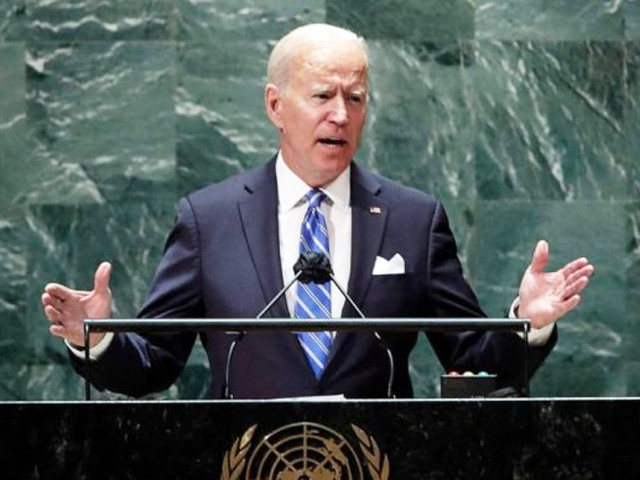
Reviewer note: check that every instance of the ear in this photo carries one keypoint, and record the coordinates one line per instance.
(273, 104)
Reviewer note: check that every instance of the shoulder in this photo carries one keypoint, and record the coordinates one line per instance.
(391, 191)
(228, 192)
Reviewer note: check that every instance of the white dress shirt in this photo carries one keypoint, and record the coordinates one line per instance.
(336, 208)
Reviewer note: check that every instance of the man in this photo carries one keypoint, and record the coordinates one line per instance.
(234, 244)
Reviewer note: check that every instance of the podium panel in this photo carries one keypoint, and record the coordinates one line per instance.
(313, 440)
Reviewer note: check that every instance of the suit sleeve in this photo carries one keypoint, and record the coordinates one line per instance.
(136, 364)
(450, 296)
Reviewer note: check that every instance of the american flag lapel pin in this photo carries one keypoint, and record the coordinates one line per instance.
(375, 210)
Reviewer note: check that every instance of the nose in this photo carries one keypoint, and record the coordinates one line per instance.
(339, 113)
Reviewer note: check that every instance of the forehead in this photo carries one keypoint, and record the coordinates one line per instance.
(331, 61)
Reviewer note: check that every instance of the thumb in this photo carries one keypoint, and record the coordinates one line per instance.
(101, 278)
(540, 257)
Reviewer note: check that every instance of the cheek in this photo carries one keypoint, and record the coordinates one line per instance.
(358, 117)
(302, 122)
(356, 129)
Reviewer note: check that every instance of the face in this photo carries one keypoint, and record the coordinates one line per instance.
(321, 110)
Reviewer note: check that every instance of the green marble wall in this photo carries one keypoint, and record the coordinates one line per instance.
(522, 115)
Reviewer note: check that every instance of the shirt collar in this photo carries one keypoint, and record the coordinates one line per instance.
(292, 189)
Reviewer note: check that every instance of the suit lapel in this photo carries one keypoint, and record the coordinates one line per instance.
(369, 217)
(368, 220)
(259, 217)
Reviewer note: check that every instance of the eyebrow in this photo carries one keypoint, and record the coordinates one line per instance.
(358, 89)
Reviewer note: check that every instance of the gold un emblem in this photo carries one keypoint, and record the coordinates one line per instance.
(303, 451)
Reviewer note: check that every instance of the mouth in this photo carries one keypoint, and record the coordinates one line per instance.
(333, 142)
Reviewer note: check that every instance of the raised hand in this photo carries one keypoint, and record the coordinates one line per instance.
(547, 296)
(66, 308)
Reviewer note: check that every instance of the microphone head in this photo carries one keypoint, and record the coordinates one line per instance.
(314, 267)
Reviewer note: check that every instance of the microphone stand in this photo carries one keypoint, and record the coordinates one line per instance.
(240, 335)
(316, 267)
(310, 267)
(375, 333)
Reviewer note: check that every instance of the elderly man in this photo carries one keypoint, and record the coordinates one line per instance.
(234, 244)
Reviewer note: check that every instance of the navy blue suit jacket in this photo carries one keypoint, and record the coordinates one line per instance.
(222, 260)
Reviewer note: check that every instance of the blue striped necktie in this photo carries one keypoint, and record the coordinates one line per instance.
(313, 299)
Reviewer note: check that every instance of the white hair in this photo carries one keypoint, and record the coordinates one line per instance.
(316, 33)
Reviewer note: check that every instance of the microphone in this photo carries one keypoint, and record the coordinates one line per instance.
(310, 267)
(313, 267)
(316, 267)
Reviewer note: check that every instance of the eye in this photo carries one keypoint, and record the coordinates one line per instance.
(356, 99)
(321, 96)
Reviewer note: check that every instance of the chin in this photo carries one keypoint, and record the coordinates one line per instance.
(339, 161)
(334, 168)
(322, 177)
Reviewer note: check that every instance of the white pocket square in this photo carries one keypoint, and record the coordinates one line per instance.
(393, 266)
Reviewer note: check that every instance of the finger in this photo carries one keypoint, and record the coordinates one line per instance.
(53, 314)
(60, 331)
(63, 292)
(59, 291)
(102, 277)
(57, 330)
(46, 299)
(562, 309)
(575, 265)
(540, 257)
(55, 302)
(575, 288)
(569, 304)
(584, 272)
